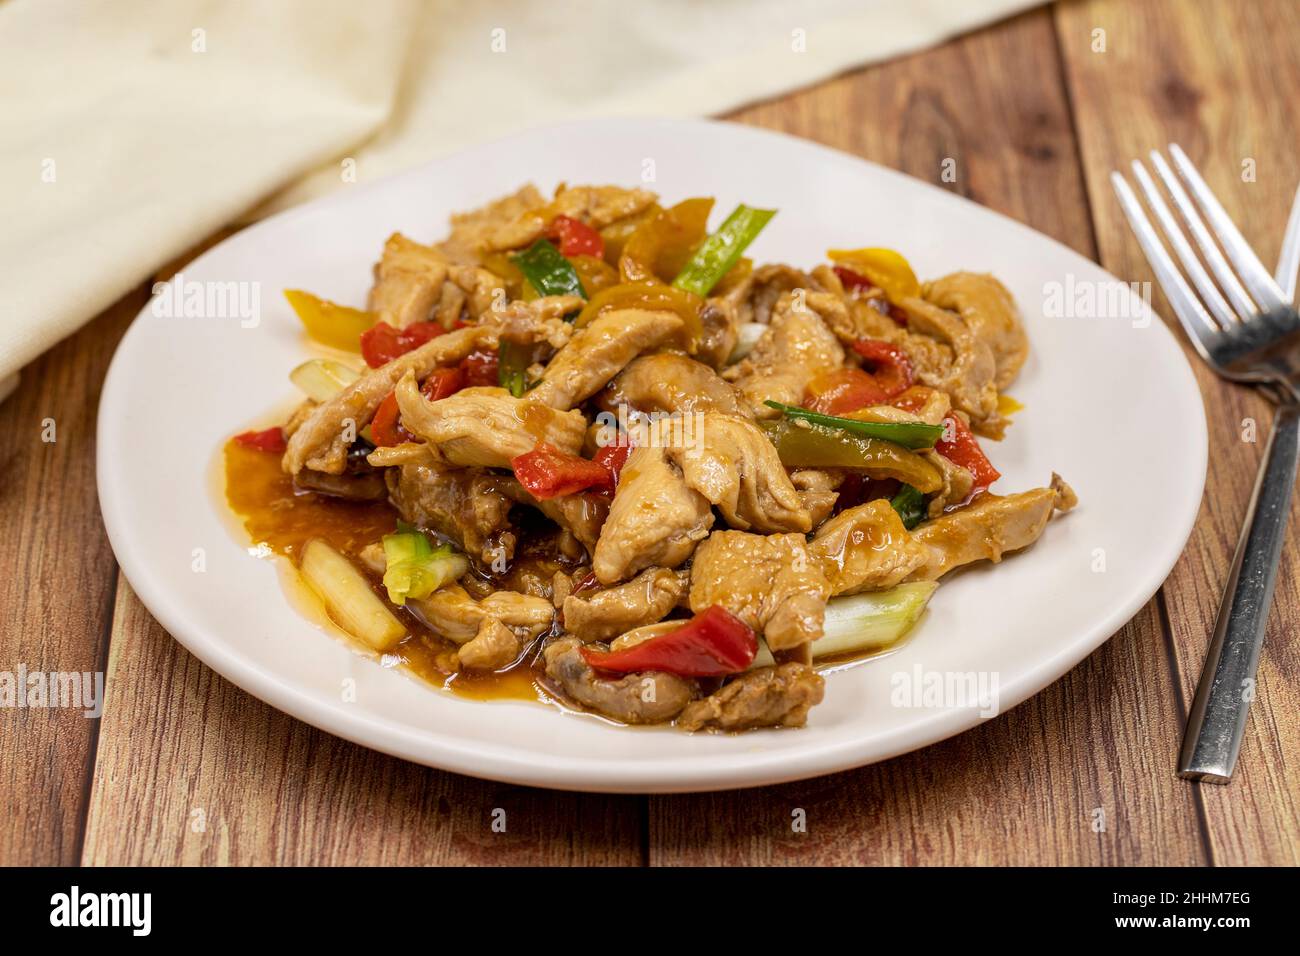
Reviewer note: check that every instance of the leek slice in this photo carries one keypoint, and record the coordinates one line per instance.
(348, 598)
(414, 568)
(322, 379)
(858, 623)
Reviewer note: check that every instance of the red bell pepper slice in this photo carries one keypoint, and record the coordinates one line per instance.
(386, 427)
(546, 472)
(963, 450)
(853, 281)
(480, 368)
(443, 382)
(888, 365)
(381, 343)
(575, 238)
(714, 643)
(612, 458)
(271, 439)
(888, 373)
(844, 390)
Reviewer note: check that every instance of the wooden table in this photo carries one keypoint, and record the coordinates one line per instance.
(185, 768)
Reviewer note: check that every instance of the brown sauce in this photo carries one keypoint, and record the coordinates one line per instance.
(279, 520)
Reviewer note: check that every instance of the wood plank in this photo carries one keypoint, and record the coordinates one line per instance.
(57, 575)
(1024, 787)
(1219, 79)
(192, 770)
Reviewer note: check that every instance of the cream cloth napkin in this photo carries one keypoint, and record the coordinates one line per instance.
(132, 129)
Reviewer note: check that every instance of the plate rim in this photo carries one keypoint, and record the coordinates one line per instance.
(638, 775)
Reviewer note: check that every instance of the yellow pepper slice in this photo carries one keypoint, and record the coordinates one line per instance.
(654, 296)
(884, 267)
(328, 322)
(616, 234)
(665, 242)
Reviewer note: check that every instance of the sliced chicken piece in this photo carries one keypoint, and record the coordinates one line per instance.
(408, 283)
(866, 548)
(598, 352)
(368, 486)
(957, 483)
(486, 426)
(597, 206)
(646, 599)
(769, 284)
(988, 528)
(989, 311)
(485, 292)
(470, 230)
(651, 697)
(735, 466)
(771, 582)
(674, 383)
(321, 441)
(581, 515)
(453, 614)
(654, 521)
(720, 320)
(536, 322)
(493, 647)
(778, 696)
(817, 491)
(796, 347)
(948, 356)
(467, 505)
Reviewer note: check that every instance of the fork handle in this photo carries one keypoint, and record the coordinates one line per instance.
(1218, 717)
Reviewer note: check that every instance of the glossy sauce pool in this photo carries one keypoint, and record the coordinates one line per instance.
(280, 520)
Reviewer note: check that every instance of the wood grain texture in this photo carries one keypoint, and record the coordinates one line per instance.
(1219, 79)
(1027, 787)
(1023, 788)
(191, 770)
(56, 579)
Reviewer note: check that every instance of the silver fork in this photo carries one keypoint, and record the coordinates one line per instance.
(1243, 324)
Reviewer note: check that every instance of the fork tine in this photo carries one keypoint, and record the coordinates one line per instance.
(1174, 236)
(1253, 274)
(1241, 302)
(1191, 314)
(1288, 261)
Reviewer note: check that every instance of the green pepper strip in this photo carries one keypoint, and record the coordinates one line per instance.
(512, 367)
(805, 445)
(910, 505)
(547, 271)
(722, 250)
(907, 434)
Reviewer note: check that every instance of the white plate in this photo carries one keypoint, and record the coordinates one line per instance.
(1110, 404)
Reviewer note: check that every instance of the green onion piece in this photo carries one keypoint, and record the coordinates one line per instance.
(547, 271)
(907, 434)
(414, 568)
(910, 505)
(512, 367)
(722, 250)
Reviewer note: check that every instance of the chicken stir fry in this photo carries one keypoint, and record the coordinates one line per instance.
(663, 480)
